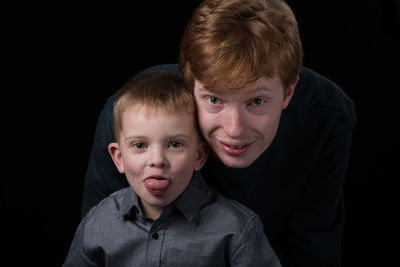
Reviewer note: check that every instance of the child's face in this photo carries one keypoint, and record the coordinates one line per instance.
(158, 153)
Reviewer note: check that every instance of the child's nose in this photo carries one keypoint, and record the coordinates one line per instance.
(157, 159)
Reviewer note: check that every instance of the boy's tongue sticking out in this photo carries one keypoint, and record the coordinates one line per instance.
(156, 185)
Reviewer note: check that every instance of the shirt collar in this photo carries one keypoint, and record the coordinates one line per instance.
(188, 203)
(130, 203)
(193, 198)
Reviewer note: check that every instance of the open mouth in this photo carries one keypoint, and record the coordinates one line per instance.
(234, 150)
(156, 185)
(235, 147)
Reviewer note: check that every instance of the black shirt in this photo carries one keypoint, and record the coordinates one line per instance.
(296, 185)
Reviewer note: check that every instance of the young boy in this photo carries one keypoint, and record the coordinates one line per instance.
(168, 216)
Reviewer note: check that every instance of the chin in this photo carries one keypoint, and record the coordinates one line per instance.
(236, 163)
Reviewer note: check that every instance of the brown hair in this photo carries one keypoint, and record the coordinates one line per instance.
(229, 43)
(153, 90)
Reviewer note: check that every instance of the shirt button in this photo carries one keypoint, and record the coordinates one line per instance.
(155, 236)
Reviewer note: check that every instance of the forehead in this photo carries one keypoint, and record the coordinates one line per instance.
(263, 84)
(158, 109)
(143, 117)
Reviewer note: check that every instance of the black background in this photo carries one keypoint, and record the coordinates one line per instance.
(61, 62)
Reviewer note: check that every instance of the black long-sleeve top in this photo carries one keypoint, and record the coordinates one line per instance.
(296, 185)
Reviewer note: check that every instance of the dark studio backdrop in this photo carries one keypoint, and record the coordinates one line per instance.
(64, 61)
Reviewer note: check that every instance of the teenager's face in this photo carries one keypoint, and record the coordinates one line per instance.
(158, 153)
(239, 124)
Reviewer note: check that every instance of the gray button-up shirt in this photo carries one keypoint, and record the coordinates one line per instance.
(200, 228)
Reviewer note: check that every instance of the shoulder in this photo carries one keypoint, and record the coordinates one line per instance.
(314, 91)
(109, 208)
(228, 214)
(234, 207)
(98, 231)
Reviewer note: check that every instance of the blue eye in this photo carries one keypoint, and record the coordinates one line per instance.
(258, 101)
(213, 100)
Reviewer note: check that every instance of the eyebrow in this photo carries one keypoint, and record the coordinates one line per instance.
(143, 137)
(179, 136)
(135, 137)
(263, 88)
(255, 90)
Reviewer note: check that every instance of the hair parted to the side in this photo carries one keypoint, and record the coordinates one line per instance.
(229, 43)
(154, 91)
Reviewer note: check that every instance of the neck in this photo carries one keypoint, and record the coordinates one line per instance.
(151, 212)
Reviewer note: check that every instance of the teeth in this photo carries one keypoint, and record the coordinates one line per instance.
(236, 147)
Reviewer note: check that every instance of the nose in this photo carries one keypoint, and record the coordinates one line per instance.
(233, 122)
(157, 158)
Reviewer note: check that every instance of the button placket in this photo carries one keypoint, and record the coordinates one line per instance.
(155, 236)
(155, 247)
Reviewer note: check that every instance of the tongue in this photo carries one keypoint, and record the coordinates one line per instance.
(156, 186)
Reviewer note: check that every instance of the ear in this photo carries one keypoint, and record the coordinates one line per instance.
(289, 93)
(116, 156)
(202, 153)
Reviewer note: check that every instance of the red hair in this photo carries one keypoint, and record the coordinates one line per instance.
(229, 43)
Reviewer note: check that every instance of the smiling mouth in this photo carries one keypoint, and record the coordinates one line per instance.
(234, 150)
(235, 147)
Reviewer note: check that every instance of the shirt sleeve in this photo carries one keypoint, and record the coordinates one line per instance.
(102, 177)
(313, 235)
(78, 254)
(251, 247)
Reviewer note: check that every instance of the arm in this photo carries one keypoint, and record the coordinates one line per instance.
(102, 177)
(78, 254)
(251, 247)
(314, 231)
